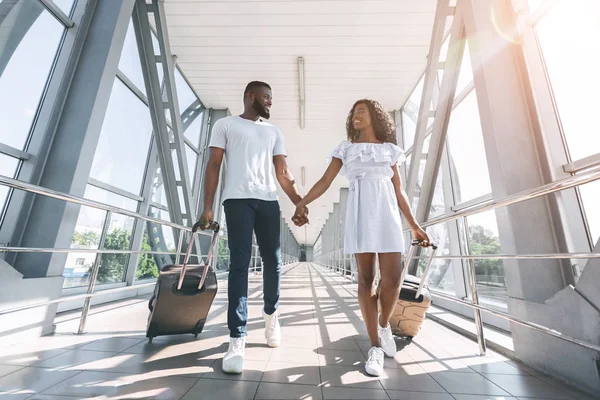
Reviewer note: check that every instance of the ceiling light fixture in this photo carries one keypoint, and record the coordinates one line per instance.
(302, 90)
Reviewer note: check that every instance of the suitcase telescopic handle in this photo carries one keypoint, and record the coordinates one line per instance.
(425, 277)
(214, 226)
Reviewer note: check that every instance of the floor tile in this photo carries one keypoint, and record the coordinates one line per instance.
(281, 372)
(282, 391)
(253, 371)
(116, 345)
(502, 368)
(480, 397)
(342, 393)
(8, 369)
(295, 355)
(75, 360)
(402, 395)
(348, 377)
(529, 386)
(466, 383)
(222, 389)
(344, 344)
(410, 378)
(29, 381)
(118, 386)
(341, 357)
(51, 397)
(29, 358)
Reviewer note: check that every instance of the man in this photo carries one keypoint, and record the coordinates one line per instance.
(253, 148)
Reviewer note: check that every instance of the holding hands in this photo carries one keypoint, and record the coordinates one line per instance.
(300, 217)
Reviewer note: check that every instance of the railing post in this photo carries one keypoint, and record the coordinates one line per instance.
(473, 284)
(94, 274)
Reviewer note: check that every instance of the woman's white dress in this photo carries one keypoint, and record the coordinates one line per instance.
(373, 222)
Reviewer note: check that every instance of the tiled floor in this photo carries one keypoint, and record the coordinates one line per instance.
(321, 357)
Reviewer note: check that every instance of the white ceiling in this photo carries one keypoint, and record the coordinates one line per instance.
(352, 49)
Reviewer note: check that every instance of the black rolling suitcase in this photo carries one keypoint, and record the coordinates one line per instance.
(183, 294)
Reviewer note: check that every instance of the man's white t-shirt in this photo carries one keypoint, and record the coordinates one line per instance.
(249, 150)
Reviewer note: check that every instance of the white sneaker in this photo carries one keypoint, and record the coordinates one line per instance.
(272, 329)
(388, 344)
(233, 362)
(374, 365)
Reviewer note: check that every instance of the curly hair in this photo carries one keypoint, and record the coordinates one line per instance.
(383, 125)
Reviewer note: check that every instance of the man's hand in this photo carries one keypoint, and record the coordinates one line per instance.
(300, 215)
(206, 219)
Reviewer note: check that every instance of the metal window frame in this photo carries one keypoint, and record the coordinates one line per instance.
(48, 113)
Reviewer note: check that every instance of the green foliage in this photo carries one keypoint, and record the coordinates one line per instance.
(483, 241)
(112, 266)
(86, 238)
(147, 268)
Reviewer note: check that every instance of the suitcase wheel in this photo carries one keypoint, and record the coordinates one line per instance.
(196, 335)
(409, 338)
(150, 340)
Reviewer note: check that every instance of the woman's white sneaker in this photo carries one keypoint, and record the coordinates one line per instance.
(388, 344)
(374, 364)
(233, 362)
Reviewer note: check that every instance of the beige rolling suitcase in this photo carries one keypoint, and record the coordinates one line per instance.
(414, 299)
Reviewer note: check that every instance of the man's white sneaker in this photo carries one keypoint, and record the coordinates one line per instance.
(272, 329)
(233, 362)
(388, 344)
(374, 364)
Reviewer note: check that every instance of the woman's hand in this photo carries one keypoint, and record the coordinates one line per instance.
(300, 215)
(421, 235)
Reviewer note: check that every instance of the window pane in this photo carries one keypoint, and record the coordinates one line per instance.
(122, 151)
(185, 95)
(438, 203)
(158, 188)
(130, 63)
(8, 167)
(27, 54)
(409, 126)
(156, 238)
(87, 236)
(191, 157)
(412, 108)
(484, 239)
(192, 132)
(568, 37)
(65, 5)
(590, 195)
(465, 77)
(441, 274)
(468, 161)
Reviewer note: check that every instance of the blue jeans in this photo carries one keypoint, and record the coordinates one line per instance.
(244, 216)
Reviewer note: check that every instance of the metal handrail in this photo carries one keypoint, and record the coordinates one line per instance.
(529, 194)
(567, 183)
(28, 187)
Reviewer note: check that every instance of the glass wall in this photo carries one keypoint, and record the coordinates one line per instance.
(568, 42)
(118, 177)
(31, 40)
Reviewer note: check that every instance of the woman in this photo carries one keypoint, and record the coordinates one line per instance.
(369, 159)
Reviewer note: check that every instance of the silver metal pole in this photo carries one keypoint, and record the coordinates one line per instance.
(474, 293)
(179, 245)
(94, 274)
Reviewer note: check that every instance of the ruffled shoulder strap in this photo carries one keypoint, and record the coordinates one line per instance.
(339, 151)
(398, 155)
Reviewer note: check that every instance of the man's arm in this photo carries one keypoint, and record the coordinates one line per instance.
(285, 179)
(211, 181)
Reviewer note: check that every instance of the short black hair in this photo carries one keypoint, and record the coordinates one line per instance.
(255, 85)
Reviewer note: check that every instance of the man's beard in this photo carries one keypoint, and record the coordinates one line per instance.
(260, 109)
